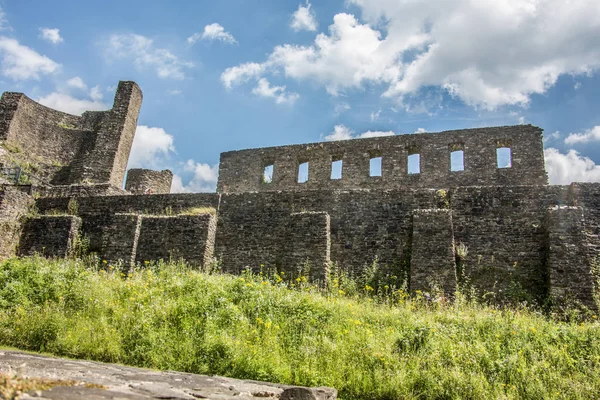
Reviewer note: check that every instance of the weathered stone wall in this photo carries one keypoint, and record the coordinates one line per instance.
(242, 171)
(433, 262)
(188, 237)
(147, 181)
(308, 244)
(66, 149)
(106, 160)
(14, 207)
(49, 235)
(96, 212)
(365, 225)
(503, 231)
(120, 239)
(569, 266)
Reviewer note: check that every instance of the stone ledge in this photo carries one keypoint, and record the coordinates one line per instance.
(110, 381)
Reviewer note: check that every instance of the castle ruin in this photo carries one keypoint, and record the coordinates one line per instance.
(435, 208)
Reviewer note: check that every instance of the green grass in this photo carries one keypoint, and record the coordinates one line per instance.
(368, 347)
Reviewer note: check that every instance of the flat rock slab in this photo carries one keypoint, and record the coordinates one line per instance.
(95, 380)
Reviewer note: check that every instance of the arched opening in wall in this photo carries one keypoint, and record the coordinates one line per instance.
(457, 157)
(375, 162)
(303, 172)
(503, 157)
(414, 160)
(337, 164)
(267, 176)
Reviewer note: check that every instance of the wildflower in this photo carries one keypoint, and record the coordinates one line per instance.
(259, 320)
(104, 261)
(369, 288)
(264, 283)
(341, 292)
(146, 262)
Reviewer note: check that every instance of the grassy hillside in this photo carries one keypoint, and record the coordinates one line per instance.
(369, 346)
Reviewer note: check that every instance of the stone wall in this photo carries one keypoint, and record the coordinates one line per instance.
(188, 237)
(65, 149)
(242, 171)
(49, 235)
(147, 181)
(433, 262)
(307, 246)
(14, 207)
(120, 235)
(569, 267)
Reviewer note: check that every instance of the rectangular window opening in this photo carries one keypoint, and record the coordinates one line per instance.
(336, 169)
(414, 163)
(457, 160)
(267, 176)
(503, 157)
(303, 172)
(375, 166)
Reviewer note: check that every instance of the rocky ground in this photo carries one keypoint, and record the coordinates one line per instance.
(29, 376)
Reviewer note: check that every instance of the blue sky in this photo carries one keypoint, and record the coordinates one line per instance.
(235, 74)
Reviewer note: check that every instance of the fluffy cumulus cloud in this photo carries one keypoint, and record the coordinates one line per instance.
(591, 135)
(51, 35)
(146, 54)
(277, 93)
(151, 147)
(564, 169)
(486, 53)
(241, 73)
(213, 32)
(304, 19)
(74, 98)
(342, 132)
(21, 62)
(77, 83)
(204, 178)
(68, 103)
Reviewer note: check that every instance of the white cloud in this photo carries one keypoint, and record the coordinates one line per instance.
(3, 21)
(174, 92)
(341, 108)
(278, 93)
(486, 53)
(51, 35)
(146, 55)
(213, 32)
(342, 132)
(375, 115)
(577, 85)
(241, 73)
(77, 83)
(204, 178)
(590, 135)
(96, 93)
(21, 62)
(552, 136)
(151, 147)
(66, 103)
(372, 134)
(564, 169)
(421, 130)
(304, 19)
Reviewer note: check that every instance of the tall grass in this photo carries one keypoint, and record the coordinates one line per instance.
(167, 316)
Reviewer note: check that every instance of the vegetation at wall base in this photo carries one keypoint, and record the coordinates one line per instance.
(376, 344)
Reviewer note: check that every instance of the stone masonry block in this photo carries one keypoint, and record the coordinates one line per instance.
(568, 262)
(120, 238)
(49, 235)
(188, 237)
(433, 259)
(308, 242)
